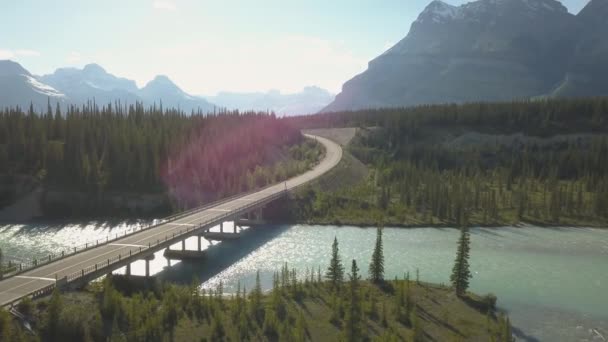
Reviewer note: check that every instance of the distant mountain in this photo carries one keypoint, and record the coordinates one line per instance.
(487, 50)
(309, 100)
(162, 89)
(92, 83)
(20, 88)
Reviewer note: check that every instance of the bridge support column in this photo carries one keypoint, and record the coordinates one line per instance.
(148, 258)
(221, 227)
(128, 270)
(199, 238)
(183, 244)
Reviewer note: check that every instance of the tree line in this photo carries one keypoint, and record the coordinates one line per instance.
(194, 158)
(497, 163)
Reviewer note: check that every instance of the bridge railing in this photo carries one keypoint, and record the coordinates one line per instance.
(13, 268)
(169, 238)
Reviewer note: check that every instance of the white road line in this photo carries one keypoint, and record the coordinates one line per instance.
(182, 224)
(223, 210)
(37, 278)
(126, 245)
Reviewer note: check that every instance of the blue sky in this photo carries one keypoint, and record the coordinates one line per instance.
(209, 46)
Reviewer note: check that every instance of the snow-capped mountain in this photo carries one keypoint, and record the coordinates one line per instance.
(20, 88)
(94, 83)
(486, 50)
(309, 100)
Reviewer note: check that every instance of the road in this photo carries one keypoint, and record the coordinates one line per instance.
(26, 283)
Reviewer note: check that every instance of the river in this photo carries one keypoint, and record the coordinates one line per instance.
(553, 282)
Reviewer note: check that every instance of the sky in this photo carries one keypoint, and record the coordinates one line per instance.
(210, 46)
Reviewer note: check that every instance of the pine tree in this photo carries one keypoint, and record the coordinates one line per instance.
(335, 271)
(352, 324)
(256, 298)
(376, 266)
(1, 264)
(461, 273)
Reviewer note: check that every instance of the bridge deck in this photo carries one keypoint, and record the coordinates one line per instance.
(114, 254)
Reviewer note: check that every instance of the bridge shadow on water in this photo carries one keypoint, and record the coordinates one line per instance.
(221, 255)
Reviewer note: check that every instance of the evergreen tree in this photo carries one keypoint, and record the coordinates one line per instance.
(256, 299)
(335, 270)
(376, 266)
(461, 273)
(353, 319)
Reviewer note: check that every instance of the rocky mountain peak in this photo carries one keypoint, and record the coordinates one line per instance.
(10, 68)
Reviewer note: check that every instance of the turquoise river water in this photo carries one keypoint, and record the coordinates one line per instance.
(553, 282)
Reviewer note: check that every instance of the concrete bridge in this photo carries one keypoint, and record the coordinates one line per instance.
(102, 257)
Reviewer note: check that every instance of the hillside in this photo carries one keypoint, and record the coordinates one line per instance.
(487, 50)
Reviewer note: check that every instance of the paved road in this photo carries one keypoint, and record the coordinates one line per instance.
(18, 286)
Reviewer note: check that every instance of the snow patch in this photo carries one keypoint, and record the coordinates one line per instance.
(42, 88)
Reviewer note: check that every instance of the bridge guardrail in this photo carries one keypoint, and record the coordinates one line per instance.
(99, 266)
(96, 267)
(39, 262)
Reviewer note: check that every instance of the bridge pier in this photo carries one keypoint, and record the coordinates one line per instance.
(128, 270)
(221, 227)
(147, 259)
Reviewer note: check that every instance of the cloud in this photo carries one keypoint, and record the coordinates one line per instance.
(27, 53)
(6, 54)
(165, 5)
(287, 62)
(74, 57)
(9, 54)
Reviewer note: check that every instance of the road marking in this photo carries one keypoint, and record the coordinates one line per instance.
(37, 278)
(224, 210)
(126, 245)
(182, 224)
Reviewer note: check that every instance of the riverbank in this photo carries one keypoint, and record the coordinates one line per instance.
(375, 224)
(306, 309)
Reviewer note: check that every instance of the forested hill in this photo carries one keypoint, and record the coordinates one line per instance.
(101, 150)
(543, 162)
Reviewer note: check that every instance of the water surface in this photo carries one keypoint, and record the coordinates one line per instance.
(553, 282)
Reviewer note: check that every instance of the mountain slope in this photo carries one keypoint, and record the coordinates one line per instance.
(587, 73)
(20, 88)
(487, 50)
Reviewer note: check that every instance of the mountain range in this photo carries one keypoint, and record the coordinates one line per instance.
(18, 87)
(488, 50)
(309, 100)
